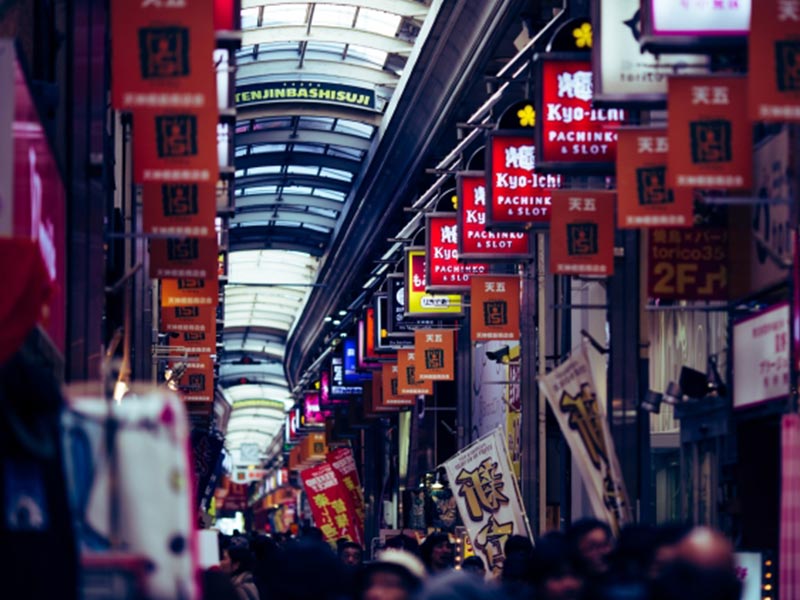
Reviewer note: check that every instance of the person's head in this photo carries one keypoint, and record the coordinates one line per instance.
(236, 559)
(591, 542)
(665, 546)
(473, 564)
(403, 542)
(553, 571)
(518, 544)
(395, 575)
(437, 552)
(350, 553)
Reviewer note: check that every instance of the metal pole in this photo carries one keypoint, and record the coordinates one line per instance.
(541, 307)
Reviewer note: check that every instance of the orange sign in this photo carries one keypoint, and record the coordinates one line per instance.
(495, 308)
(162, 54)
(407, 380)
(191, 327)
(392, 398)
(435, 354)
(774, 62)
(179, 209)
(196, 384)
(183, 257)
(582, 232)
(175, 146)
(643, 198)
(190, 291)
(710, 137)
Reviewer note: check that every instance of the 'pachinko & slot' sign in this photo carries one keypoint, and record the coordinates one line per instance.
(444, 272)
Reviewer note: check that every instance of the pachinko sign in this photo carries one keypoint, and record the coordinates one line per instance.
(444, 272)
(488, 497)
(571, 133)
(419, 302)
(518, 196)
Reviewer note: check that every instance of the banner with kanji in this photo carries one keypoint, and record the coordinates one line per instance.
(407, 380)
(643, 197)
(180, 319)
(329, 501)
(710, 136)
(392, 398)
(576, 392)
(190, 291)
(488, 498)
(184, 257)
(196, 382)
(582, 232)
(495, 308)
(773, 50)
(343, 462)
(435, 354)
(444, 272)
(179, 209)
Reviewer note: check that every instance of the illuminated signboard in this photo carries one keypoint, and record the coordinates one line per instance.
(300, 91)
(517, 196)
(668, 25)
(443, 271)
(571, 134)
(418, 301)
(383, 317)
(341, 383)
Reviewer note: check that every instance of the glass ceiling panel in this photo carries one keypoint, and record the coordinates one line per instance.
(378, 21)
(285, 14)
(333, 15)
(368, 55)
(272, 266)
(354, 128)
(249, 18)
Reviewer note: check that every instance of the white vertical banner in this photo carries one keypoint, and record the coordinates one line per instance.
(576, 391)
(488, 497)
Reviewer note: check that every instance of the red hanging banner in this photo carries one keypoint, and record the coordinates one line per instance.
(183, 257)
(710, 137)
(495, 308)
(328, 499)
(162, 54)
(344, 464)
(179, 209)
(582, 232)
(443, 270)
(190, 291)
(773, 81)
(643, 197)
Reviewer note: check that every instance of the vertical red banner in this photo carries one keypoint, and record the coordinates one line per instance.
(343, 462)
(184, 257)
(329, 501)
(582, 232)
(444, 272)
(179, 209)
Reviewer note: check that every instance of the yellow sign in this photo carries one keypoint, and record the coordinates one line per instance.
(418, 301)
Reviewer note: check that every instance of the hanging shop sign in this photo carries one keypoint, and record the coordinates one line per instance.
(196, 384)
(345, 378)
(179, 209)
(518, 196)
(408, 382)
(384, 343)
(582, 232)
(475, 241)
(572, 134)
(579, 403)
(418, 301)
(343, 463)
(488, 498)
(162, 54)
(306, 91)
(710, 137)
(195, 335)
(761, 362)
(435, 354)
(773, 52)
(643, 197)
(623, 73)
(694, 25)
(183, 257)
(443, 271)
(313, 448)
(328, 499)
(313, 416)
(175, 146)
(183, 319)
(688, 264)
(189, 291)
(398, 325)
(367, 357)
(495, 308)
(392, 398)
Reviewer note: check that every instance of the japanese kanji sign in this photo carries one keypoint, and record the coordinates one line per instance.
(488, 497)
(475, 241)
(408, 383)
(196, 383)
(773, 82)
(688, 264)
(516, 195)
(643, 197)
(443, 271)
(329, 500)
(191, 327)
(495, 308)
(183, 257)
(582, 232)
(434, 350)
(420, 303)
(710, 136)
(571, 134)
(179, 209)
(162, 54)
(344, 464)
(392, 398)
(190, 291)
(578, 399)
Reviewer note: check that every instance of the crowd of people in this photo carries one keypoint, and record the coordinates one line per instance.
(583, 563)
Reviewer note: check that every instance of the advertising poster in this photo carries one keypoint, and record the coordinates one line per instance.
(710, 136)
(582, 232)
(183, 257)
(443, 271)
(488, 498)
(518, 196)
(190, 291)
(418, 302)
(408, 383)
(688, 264)
(162, 54)
(344, 464)
(179, 209)
(495, 308)
(329, 500)
(435, 353)
(578, 402)
(392, 398)
(643, 197)
(773, 83)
